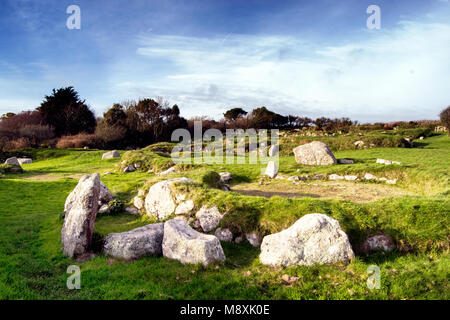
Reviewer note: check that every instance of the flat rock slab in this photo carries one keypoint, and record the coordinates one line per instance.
(313, 239)
(314, 153)
(78, 227)
(136, 243)
(186, 245)
(25, 160)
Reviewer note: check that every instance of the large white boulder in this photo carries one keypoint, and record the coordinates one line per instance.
(314, 153)
(161, 200)
(78, 227)
(111, 154)
(313, 239)
(136, 243)
(209, 218)
(186, 245)
(12, 161)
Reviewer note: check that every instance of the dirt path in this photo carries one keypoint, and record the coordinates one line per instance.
(354, 191)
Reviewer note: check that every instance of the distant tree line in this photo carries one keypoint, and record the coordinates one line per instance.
(64, 120)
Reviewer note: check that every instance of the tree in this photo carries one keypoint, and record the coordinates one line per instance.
(234, 113)
(445, 118)
(66, 112)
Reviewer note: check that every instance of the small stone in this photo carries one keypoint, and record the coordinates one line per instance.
(103, 209)
(168, 171)
(254, 238)
(185, 207)
(393, 181)
(378, 242)
(335, 177)
(129, 168)
(346, 161)
(209, 218)
(132, 210)
(225, 177)
(369, 176)
(351, 178)
(294, 178)
(224, 235)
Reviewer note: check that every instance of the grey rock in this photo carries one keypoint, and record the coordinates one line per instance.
(132, 210)
(182, 243)
(224, 235)
(168, 171)
(271, 169)
(369, 176)
(314, 153)
(209, 218)
(12, 161)
(25, 160)
(129, 168)
(136, 243)
(185, 207)
(160, 201)
(313, 239)
(335, 177)
(111, 154)
(78, 227)
(350, 178)
(254, 238)
(273, 150)
(346, 161)
(225, 177)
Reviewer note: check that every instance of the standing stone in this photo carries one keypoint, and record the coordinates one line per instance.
(209, 218)
(271, 169)
(182, 243)
(78, 227)
(111, 154)
(314, 153)
(273, 150)
(161, 201)
(105, 197)
(313, 239)
(136, 243)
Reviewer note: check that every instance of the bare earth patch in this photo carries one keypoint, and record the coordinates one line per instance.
(51, 177)
(354, 191)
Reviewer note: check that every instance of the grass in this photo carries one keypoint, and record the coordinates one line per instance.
(32, 265)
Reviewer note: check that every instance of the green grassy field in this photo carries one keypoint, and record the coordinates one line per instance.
(32, 265)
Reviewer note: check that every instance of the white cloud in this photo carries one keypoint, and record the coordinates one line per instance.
(391, 74)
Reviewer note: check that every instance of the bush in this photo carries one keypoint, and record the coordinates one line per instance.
(37, 133)
(80, 140)
(211, 179)
(17, 144)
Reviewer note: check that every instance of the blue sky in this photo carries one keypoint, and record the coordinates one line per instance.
(308, 58)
